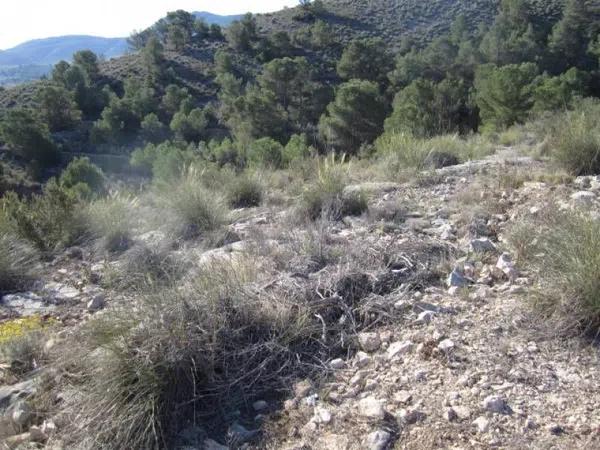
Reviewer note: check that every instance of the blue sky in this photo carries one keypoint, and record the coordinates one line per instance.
(22, 20)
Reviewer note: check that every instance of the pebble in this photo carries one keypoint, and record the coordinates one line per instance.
(260, 405)
(495, 404)
(337, 364)
(446, 345)
(371, 408)
(369, 342)
(482, 424)
(399, 348)
(377, 440)
(362, 360)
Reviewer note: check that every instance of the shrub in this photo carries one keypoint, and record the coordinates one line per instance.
(265, 153)
(164, 161)
(153, 130)
(324, 196)
(180, 353)
(401, 151)
(575, 140)
(145, 266)
(295, 149)
(244, 191)
(17, 261)
(112, 220)
(81, 171)
(193, 209)
(27, 137)
(49, 221)
(563, 249)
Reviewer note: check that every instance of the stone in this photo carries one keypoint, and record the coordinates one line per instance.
(21, 414)
(495, 404)
(456, 278)
(96, 303)
(482, 245)
(369, 342)
(322, 415)
(239, 434)
(446, 345)
(450, 415)
(425, 317)
(371, 408)
(506, 266)
(555, 429)
(411, 416)
(302, 388)
(399, 348)
(337, 364)
(462, 412)
(403, 397)
(482, 424)
(362, 360)
(260, 405)
(583, 197)
(377, 440)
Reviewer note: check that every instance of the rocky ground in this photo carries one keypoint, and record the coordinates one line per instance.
(461, 362)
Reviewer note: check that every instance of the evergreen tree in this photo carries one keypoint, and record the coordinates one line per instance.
(57, 108)
(355, 117)
(365, 59)
(504, 95)
(570, 36)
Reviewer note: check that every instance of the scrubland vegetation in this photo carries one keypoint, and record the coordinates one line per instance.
(295, 121)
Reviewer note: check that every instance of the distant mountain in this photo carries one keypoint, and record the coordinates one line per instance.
(51, 50)
(32, 59)
(211, 18)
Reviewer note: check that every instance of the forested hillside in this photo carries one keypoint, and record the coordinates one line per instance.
(347, 225)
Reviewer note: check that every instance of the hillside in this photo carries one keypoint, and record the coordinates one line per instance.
(32, 59)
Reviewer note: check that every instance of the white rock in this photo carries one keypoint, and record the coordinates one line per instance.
(260, 405)
(506, 265)
(337, 364)
(377, 440)
(495, 404)
(462, 412)
(362, 359)
(421, 375)
(371, 408)
(302, 388)
(322, 415)
(583, 197)
(482, 424)
(369, 342)
(425, 317)
(410, 416)
(446, 345)
(399, 348)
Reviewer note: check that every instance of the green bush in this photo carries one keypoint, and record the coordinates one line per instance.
(17, 263)
(29, 138)
(575, 140)
(193, 210)
(49, 221)
(265, 153)
(295, 149)
(81, 171)
(165, 161)
(324, 197)
(244, 191)
(563, 250)
(112, 221)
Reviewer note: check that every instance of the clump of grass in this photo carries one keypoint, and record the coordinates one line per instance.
(145, 266)
(399, 152)
(244, 191)
(17, 262)
(575, 140)
(144, 367)
(112, 220)
(563, 249)
(193, 210)
(324, 197)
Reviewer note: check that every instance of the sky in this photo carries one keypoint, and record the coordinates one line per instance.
(23, 20)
